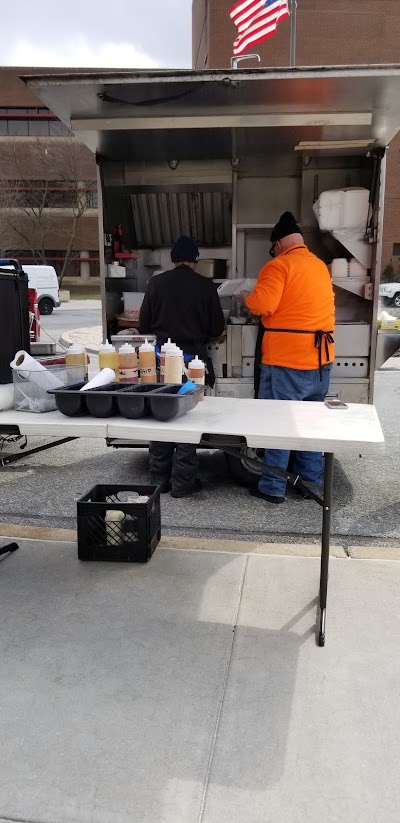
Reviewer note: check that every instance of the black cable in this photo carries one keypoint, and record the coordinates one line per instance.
(108, 98)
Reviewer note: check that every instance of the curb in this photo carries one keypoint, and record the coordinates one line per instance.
(66, 340)
(203, 544)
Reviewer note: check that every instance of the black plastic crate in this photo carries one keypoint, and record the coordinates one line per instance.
(131, 540)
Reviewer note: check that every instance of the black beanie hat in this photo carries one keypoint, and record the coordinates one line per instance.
(185, 250)
(285, 225)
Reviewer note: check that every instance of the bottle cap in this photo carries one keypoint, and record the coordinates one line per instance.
(76, 348)
(106, 347)
(126, 348)
(196, 363)
(146, 346)
(168, 345)
(174, 351)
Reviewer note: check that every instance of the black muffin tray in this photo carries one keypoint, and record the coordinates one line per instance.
(134, 400)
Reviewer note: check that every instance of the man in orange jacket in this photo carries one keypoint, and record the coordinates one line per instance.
(295, 300)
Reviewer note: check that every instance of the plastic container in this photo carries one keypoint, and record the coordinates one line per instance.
(339, 268)
(166, 404)
(356, 269)
(164, 349)
(108, 358)
(99, 402)
(147, 362)
(76, 356)
(114, 520)
(173, 365)
(128, 364)
(70, 401)
(133, 403)
(132, 300)
(100, 537)
(342, 209)
(197, 373)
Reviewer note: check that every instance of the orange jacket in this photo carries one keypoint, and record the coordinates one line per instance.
(294, 291)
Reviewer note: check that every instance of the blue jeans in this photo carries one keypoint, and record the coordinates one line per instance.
(279, 383)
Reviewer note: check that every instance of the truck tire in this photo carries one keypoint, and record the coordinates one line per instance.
(46, 305)
(396, 300)
(245, 474)
(241, 471)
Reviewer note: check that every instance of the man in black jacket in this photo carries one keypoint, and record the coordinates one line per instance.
(184, 306)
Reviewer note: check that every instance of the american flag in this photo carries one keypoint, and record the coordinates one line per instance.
(256, 20)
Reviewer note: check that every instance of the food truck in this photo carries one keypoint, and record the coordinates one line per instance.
(219, 155)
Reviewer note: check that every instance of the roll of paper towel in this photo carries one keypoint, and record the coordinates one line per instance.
(30, 369)
(103, 378)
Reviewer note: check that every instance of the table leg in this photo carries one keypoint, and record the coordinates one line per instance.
(326, 533)
(9, 547)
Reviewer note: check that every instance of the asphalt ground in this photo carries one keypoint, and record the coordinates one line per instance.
(41, 490)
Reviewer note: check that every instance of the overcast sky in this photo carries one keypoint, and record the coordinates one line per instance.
(97, 33)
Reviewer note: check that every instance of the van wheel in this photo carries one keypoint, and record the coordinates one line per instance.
(396, 300)
(46, 305)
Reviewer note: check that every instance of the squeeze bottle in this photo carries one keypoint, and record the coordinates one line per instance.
(173, 365)
(197, 373)
(168, 346)
(147, 362)
(128, 364)
(108, 358)
(76, 356)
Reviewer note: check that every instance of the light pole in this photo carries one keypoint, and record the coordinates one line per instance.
(293, 27)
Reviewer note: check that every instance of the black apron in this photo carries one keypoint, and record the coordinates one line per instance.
(321, 340)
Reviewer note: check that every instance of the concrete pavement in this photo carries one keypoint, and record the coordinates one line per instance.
(190, 690)
(91, 338)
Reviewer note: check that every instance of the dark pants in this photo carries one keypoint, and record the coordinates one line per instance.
(176, 462)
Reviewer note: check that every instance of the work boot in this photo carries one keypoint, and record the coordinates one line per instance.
(270, 498)
(186, 492)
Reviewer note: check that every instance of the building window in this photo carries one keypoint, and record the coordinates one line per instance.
(53, 194)
(32, 122)
(17, 128)
(396, 249)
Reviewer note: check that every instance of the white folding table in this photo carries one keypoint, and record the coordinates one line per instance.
(226, 423)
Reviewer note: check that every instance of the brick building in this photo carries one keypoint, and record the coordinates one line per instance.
(328, 33)
(48, 199)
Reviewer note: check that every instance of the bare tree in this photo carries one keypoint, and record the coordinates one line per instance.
(43, 196)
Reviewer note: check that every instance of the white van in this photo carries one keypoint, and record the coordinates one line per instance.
(44, 280)
(41, 278)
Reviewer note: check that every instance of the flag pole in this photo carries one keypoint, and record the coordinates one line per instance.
(293, 31)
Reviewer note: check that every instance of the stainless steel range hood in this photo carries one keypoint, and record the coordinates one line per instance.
(159, 217)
